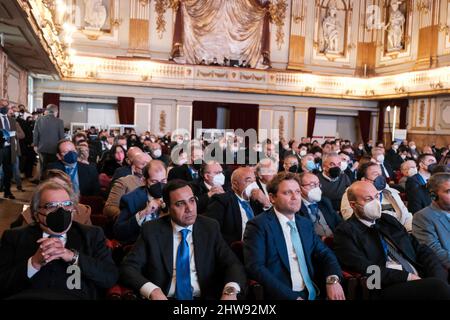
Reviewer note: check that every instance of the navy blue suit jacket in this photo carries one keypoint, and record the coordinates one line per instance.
(266, 256)
(331, 216)
(126, 228)
(417, 194)
(87, 177)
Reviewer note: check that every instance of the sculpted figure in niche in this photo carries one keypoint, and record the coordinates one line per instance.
(395, 27)
(94, 14)
(330, 26)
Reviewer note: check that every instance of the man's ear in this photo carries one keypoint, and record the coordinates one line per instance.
(59, 157)
(272, 198)
(352, 205)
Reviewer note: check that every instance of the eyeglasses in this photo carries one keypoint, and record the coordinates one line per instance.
(50, 206)
(312, 185)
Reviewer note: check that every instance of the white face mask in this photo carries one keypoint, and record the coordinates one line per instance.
(248, 190)
(219, 179)
(412, 172)
(180, 141)
(157, 153)
(315, 195)
(360, 147)
(395, 147)
(372, 210)
(380, 158)
(286, 147)
(302, 153)
(344, 165)
(413, 147)
(403, 156)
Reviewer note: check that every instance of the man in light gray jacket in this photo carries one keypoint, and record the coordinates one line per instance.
(431, 225)
(48, 130)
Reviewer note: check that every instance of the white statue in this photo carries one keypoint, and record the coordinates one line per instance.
(330, 26)
(395, 27)
(95, 14)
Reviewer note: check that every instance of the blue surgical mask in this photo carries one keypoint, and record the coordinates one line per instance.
(70, 157)
(310, 165)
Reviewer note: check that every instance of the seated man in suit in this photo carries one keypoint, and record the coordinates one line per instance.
(182, 255)
(334, 182)
(211, 182)
(265, 170)
(283, 253)
(189, 171)
(125, 185)
(141, 205)
(290, 163)
(233, 209)
(35, 260)
(390, 200)
(316, 207)
(378, 157)
(407, 269)
(84, 177)
(431, 225)
(416, 186)
(155, 151)
(408, 169)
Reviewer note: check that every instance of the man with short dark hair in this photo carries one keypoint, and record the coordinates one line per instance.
(416, 186)
(182, 255)
(282, 252)
(84, 176)
(431, 225)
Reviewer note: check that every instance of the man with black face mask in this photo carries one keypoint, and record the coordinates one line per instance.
(84, 176)
(141, 205)
(390, 200)
(191, 171)
(333, 181)
(416, 186)
(38, 261)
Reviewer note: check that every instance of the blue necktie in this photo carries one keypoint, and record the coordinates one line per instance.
(183, 289)
(247, 208)
(314, 211)
(298, 247)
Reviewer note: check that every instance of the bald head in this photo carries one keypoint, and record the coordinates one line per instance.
(132, 152)
(360, 194)
(241, 178)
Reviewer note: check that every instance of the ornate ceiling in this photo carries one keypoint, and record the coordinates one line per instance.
(359, 49)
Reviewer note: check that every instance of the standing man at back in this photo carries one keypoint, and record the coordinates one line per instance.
(48, 130)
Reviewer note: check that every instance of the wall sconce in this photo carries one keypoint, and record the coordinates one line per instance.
(91, 74)
(145, 77)
(444, 28)
(400, 89)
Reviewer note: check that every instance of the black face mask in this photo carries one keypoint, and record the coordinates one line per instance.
(156, 190)
(317, 160)
(334, 172)
(379, 183)
(4, 110)
(293, 169)
(103, 138)
(431, 167)
(59, 220)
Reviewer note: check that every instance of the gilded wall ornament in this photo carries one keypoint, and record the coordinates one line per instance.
(162, 121)
(160, 9)
(277, 12)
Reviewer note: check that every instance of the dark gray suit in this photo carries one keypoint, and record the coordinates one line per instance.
(151, 258)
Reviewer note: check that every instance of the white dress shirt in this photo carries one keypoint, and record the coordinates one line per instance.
(31, 271)
(148, 288)
(296, 276)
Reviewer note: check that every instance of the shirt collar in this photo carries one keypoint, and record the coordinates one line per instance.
(328, 178)
(240, 198)
(367, 223)
(62, 236)
(306, 202)
(281, 217)
(207, 185)
(424, 178)
(177, 228)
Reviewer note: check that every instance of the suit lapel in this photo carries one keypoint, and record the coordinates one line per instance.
(166, 243)
(200, 238)
(236, 208)
(278, 236)
(443, 220)
(74, 240)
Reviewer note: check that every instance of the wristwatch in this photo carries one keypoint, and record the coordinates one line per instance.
(333, 279)
(229, 291)
(76, 254)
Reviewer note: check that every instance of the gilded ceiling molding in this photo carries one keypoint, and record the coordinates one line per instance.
(277, 10)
